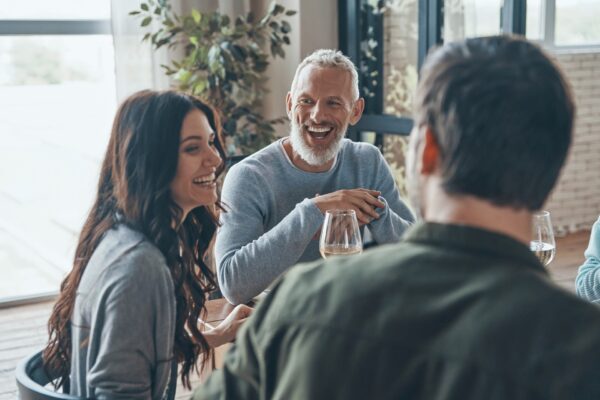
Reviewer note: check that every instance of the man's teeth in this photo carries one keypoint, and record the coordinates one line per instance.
(318, 130)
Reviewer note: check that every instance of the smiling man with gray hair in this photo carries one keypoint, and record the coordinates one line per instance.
(276, 199)
(461, 308)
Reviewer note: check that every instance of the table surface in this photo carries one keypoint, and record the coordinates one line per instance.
(217, 310)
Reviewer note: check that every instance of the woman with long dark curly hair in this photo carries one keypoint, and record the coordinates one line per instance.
(128, 311)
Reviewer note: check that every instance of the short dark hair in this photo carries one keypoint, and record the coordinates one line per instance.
(502, 114)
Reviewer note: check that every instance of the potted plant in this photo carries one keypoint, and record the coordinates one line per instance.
(223, 63)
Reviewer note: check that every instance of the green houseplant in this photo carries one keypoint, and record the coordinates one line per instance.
(223, 63)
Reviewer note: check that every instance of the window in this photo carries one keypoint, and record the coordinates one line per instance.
(57, 99)
(471, 18)
(381, 37)
(564, 23)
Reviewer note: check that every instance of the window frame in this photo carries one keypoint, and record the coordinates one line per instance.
(17, 27)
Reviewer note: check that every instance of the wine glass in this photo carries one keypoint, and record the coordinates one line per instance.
(542, 243)
(340, 234)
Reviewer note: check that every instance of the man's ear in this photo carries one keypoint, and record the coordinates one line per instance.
(431, 153)
(357, 110)
(288, 105)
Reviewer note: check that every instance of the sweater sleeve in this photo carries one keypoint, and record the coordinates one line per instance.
(395, 217)
(249, 258)
(587, 282)
(134, 329)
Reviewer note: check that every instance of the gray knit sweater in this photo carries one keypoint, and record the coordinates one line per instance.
(272, 219)
(123, 325)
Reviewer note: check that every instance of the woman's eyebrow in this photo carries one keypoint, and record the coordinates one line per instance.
(193, 137)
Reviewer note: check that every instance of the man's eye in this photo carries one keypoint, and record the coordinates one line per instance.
(304, 101)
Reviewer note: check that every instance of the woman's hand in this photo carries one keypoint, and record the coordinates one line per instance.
(225, 332)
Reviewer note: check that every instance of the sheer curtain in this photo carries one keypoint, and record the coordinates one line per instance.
(137, 65)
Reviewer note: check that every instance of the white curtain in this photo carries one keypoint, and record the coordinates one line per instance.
(137, 64)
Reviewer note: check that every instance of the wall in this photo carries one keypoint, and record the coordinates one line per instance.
(575, 202)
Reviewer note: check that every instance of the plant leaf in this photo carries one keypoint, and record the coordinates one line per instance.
(200, 86)
(182, 75)
(144, 6)
(196, 16)
(225, 20)
(146, 21)
(286, 27)
(278, 9)
(214, 58)
(289, 13)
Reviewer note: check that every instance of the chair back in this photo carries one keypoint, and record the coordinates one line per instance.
(32, 379)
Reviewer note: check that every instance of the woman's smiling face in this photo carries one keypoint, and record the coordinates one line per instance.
(194, 184)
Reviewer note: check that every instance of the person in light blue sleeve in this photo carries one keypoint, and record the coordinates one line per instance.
(588, 278)
(277, 197)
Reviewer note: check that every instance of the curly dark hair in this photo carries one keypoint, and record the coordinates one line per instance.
(139, 165)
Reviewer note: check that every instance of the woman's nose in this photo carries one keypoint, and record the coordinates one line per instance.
(214, 159)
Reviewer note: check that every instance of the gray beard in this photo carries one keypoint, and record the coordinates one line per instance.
(307, 153)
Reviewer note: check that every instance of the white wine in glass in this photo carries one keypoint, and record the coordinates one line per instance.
(542, 243)
(340, 234)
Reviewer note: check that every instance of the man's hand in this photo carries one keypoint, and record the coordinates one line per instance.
(362, 201)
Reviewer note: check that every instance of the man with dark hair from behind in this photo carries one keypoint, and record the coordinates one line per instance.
(461, 309)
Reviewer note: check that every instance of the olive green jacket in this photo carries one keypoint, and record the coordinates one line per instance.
(452, 312)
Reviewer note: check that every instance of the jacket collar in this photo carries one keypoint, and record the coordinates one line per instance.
(474, 240)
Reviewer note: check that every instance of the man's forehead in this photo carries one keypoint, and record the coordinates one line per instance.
(335, 81)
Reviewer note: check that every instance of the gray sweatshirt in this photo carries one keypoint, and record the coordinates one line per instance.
(272, 221)
(123, 324)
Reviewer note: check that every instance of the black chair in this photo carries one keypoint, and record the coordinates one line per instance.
(32, 379)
